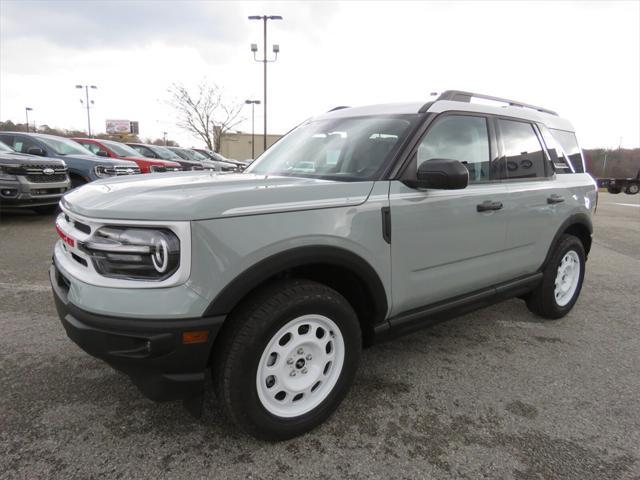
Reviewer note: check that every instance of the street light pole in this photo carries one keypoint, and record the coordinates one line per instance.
(26, 112)
(253, 117)
(164, 137)
(254, 49)
(86, 91)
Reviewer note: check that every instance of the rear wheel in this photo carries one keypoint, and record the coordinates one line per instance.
(286, 359)
(562, 280)
(632, 189)
(614, 190)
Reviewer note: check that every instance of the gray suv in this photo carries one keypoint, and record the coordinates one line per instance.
(31, 182)
(360, 224)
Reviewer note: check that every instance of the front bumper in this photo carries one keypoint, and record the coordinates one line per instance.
(25, 194)
(150, 352)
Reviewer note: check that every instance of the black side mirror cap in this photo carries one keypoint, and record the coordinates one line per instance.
(102, 153)
(440, 173)
(36, 151)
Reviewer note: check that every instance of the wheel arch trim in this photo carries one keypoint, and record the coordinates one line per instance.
(254, 276)
(581, 220)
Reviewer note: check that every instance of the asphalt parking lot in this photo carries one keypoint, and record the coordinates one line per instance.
(494, 394)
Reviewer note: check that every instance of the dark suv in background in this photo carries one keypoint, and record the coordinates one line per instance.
(83, 165)
(27, 181)
(156, 151)
(205, 161)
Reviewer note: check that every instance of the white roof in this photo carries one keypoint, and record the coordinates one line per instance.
(439, 106)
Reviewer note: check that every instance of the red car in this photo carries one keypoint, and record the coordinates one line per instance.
(109, 148)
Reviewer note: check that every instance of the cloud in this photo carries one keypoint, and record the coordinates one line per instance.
(110, 24)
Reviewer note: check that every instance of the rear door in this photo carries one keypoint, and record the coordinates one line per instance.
(537, 202)
(444, 243)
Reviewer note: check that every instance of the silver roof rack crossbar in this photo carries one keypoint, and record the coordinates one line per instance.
(340, 107)
(461, 96)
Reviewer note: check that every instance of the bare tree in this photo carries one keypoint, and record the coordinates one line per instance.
(205, 112)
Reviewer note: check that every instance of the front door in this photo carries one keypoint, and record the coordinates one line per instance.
(445, 243)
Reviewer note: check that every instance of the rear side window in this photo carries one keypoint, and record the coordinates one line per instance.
(561, 163)
(459, 137)
(569, 144)
(522, 151)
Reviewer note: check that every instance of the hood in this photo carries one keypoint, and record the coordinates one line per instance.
(25, 159)
(100, 160)
(204, 195)
(153, 161)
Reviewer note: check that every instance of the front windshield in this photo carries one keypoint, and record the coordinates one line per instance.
(348, 149)
(63, 146)
(6, 148)
(121, 149)
(165, 153)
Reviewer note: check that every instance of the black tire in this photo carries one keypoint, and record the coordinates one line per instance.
(614, 190)
(246, 334)
(46, 209)
(542, 300)
(632, 189)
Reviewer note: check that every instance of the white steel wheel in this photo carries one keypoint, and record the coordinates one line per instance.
(300, 366)
(567, 278)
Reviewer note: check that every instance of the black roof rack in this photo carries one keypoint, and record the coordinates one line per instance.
(461, 96)
(340, 107)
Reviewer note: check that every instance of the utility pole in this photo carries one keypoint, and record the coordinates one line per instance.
(254, 49)
(164, 137)
(87, 103)
(26, 112)
(253, 104)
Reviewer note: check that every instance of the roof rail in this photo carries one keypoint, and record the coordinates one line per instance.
(462, 96)
(340, 107)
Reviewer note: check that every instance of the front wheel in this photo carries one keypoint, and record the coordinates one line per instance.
(287, 358)
(562, 280)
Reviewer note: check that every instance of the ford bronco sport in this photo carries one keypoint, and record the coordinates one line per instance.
(359, 224)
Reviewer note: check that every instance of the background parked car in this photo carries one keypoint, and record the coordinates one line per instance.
(28, 181)
(111, 149)
(156, 151)
(208, 164)
(83, 165)
(218, 157)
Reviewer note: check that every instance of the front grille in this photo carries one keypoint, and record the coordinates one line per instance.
(36, 173)
(41, 178)
(83, 227)
(125, 170)
(47, 191)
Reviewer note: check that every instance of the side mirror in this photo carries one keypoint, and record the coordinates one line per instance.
(36, 151)
(102, 153)
(440, 173)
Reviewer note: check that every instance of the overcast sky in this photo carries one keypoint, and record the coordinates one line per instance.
(581, 59)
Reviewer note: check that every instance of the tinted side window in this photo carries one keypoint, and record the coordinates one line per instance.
(570, 145)
(522, 151)
(144, 151)
(92, 147)
(7, 139)
(22, 144)
(560, 162)
(458, 137)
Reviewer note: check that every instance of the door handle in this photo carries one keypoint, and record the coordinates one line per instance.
(555, 198)
(488, 205)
